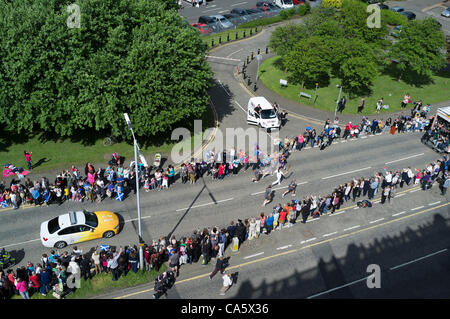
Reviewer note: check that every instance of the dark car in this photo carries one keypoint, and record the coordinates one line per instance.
(234, 18)
(383, 6)
(410, 15)
(243, 13)
(397, 9)
(257, 13)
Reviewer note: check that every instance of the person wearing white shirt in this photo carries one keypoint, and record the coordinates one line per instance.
(227, 282)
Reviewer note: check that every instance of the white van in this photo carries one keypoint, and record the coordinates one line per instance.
(264, 116)
(284, 4)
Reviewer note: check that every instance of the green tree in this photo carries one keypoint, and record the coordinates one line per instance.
(357, 75)
(418, 50)
(308, 62)
(138, 57)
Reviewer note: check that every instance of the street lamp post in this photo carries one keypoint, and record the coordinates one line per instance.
(337, 102)
(136, 165)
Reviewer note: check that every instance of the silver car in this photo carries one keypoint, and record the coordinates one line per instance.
(223, 22)
(446, 13)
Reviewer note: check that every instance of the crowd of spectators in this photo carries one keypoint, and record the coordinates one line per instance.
(201, 246)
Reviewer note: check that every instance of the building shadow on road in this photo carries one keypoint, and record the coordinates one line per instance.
(333, 277)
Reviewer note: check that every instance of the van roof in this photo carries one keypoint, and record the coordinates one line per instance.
(265, 105)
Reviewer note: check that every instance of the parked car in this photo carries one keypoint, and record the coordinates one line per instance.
(257, 13)
(202, 27)
(211, 22)
(243, 13)
(266, 5)
(395, 32)
(446, 13)
(297, 2)
(223, 22)
(383, 6)
(284, 4)
(234, 18)
(397, 9)
(410, 15)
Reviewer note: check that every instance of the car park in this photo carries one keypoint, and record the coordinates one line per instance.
(408, 14)
(202, 27)
(446, 13)
(257, 13)
(79, 226)
(397, 9)
(234, 18)
(243, 13)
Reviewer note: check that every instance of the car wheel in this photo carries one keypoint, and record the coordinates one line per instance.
(108, 234)
(60, 244)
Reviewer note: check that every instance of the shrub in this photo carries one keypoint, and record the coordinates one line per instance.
(303, 9)
(393, 18)
(332, 3)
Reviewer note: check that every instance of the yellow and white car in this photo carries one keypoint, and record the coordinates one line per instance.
(76, 227)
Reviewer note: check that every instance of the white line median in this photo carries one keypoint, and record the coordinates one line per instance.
(404, 158)
(251, 256)
(330, 234)
(350, 228)
(356, 170)
(401, 213)
(376, 221)
(206, 204)
(308, 240)
(435, 203)
(415, 260)
(416, 208)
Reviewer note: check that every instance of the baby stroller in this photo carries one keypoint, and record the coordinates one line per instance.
(163, 282)
(157, 160)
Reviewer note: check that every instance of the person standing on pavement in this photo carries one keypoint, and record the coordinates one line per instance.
(445, 184)
(220, 266)
(114, 265)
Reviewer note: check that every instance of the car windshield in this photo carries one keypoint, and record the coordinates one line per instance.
(268, 114)
(91, 219)
(53, 225)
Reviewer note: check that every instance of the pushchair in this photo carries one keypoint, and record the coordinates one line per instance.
(163, 282)
(157, 160)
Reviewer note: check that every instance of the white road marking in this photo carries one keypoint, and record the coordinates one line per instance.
(413, 261)
(130, 220)
(416, 208)
(343, 141)
(404, 158)
(356, 208)
(226, 91)
(363, 136)
(311, 220)
(308, 240)
(233, 52)
(375, 221)
(431, 204)
(400, 195)
(343, 286)
(237, 4)
(201, 205)
(251, 256)
(326, 235)
(335, 214)
(413, 191)
(24, 242)
(401, 213)
(240, 106)
(278, 188)
(223, 11)
(356, 170)
(221, 58)
(284, 247)
(353, 227)
(211, 10)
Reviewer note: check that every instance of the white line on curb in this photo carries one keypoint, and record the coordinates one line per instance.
(335, 214)
(311, 220)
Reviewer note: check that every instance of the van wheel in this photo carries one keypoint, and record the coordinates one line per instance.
(60, 244)
(108, 234)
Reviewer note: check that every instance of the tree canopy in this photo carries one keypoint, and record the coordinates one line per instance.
(130, 56)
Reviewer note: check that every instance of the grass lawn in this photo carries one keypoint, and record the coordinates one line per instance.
(384, 86)
(102, 283)
(61, 154)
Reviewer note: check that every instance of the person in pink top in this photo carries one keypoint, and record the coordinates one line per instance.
(22, 287)
(28, 159)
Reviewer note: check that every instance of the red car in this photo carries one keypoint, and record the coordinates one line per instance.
(203, 28)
